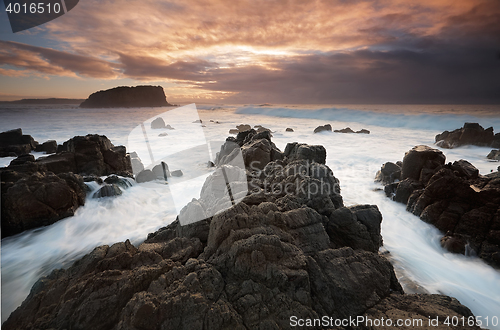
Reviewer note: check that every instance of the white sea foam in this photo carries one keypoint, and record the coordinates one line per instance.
(412, 120)
(354, 159)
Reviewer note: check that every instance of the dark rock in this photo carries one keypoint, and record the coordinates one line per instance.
(288, 129)
(108, 190)
(326, 127)
(13, 142)
(87, 155)
(158, 123)
(455, 199)
(494, 154)
(127, 97)
(243, 127)
(233, 131)
(344, 130)
(22, 159)
(465, 169)
(245, 267)
(118, 181)
(263, 129)
(313, 153)
(469, 134)
(49, 147)
(418, 158)
(420, 309)
(357, 227)
(257, 154)
(176, 173)
(90, 178)
(60, 163)
(210, 164)
(389, 173)
(405, 188)
(39, 200)
(363, 131)
(145, 176)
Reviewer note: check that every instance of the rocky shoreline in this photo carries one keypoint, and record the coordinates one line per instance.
(39, 192)
(289, 249)
(453, 197)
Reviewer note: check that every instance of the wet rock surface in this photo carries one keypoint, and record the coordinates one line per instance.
(469, 134)
(39, 192)
(39, 199)
(454, 197)
(280, 252)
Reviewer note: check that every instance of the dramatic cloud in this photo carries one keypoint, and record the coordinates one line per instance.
(281, 50)
(52, 62)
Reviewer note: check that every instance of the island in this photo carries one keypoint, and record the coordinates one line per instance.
(127, 97)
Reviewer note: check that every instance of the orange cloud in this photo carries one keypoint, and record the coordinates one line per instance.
(230, 47)
(52, 62)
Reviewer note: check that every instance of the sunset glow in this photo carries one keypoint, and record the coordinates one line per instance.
(276, 51)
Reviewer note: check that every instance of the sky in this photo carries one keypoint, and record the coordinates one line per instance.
(262, 51)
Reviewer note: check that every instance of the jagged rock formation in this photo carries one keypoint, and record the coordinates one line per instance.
(40, 192)
(127, 97)
(89, 155)
(453, 197)
(471, 133)
(294, 251)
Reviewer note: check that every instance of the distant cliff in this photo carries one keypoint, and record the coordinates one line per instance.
(124, 96)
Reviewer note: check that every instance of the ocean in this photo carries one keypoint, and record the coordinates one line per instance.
(414, 249)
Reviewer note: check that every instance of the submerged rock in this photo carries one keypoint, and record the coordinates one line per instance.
(108, 190)
(344, 130)
(120, 182)
(326, 127)
(288, 129)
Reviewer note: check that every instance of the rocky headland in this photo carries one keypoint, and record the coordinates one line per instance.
(454, 197)
(127, 97)
(289, 249)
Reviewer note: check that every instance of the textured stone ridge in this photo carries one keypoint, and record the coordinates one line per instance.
(127, 97)
(252, 266)
(454, 197)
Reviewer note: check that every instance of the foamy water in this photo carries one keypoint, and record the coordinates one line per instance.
(354, 158)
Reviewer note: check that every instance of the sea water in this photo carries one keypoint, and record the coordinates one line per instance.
(414, 249)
